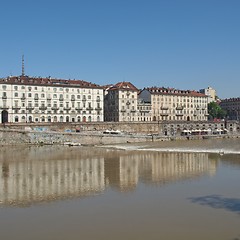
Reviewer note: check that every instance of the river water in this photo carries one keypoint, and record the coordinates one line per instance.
(164, 190)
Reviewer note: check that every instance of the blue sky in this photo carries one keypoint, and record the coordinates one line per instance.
(186, 44)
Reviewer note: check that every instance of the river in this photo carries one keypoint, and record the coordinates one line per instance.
(164, 190)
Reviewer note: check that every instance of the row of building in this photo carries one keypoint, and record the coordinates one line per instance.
(36, 99)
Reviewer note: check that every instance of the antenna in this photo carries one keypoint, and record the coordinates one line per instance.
(23, 65)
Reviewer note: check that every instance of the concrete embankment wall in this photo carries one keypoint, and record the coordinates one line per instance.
(15, 137)
(92, 133)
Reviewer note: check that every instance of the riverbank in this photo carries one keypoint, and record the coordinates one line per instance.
(44, 137)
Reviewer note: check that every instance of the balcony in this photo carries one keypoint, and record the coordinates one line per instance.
(4, 107)
(73, 99)
(84, 99)
(36, 98)
(133, 110)
(98, 108)
(42, 108)
(49, 98)
(179, 114)
(61, 99)
(16, 107)
(128, 103)
(98, 100)
(179, 108)
(4, 97)
(55, 108)
(23, 98)
(123, 110)
(30, 108)
(164, 114)
(78, 108)
(67, 108)
(89, 108)
(164, 108)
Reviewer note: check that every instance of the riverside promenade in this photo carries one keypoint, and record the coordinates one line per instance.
(74, 134)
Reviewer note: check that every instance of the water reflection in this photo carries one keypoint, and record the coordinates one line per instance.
(36, 174)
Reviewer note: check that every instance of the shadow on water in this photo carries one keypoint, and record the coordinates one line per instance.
(218, 202)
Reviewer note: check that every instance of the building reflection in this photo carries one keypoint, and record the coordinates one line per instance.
(43, 174)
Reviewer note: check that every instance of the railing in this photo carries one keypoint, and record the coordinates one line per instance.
(179, 108)
(16, 107)
(4, 107)
(42, 108)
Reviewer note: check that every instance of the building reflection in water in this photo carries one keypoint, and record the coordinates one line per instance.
(42, 174)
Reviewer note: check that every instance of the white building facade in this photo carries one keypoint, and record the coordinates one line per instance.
(28, 99)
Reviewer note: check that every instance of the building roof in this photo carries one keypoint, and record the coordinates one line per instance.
(26, 80)
(231, 100)
(123, 86)
(173, 91)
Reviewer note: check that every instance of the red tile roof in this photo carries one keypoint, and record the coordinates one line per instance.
(26, 80)
(123, 86)
(173, 91)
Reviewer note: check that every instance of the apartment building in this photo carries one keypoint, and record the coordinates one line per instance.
(232, 106)
(210, 92)
(120, 102)
(169, 104)
(35, 99)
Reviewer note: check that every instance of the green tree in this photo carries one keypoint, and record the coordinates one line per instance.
(215, 111)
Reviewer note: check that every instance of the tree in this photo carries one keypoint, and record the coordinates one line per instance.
(215, 111)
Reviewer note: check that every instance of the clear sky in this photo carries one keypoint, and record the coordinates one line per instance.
(186, 44)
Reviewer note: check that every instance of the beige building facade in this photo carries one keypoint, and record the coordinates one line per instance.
(168, 104)
(210, 92)
(121, 102)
